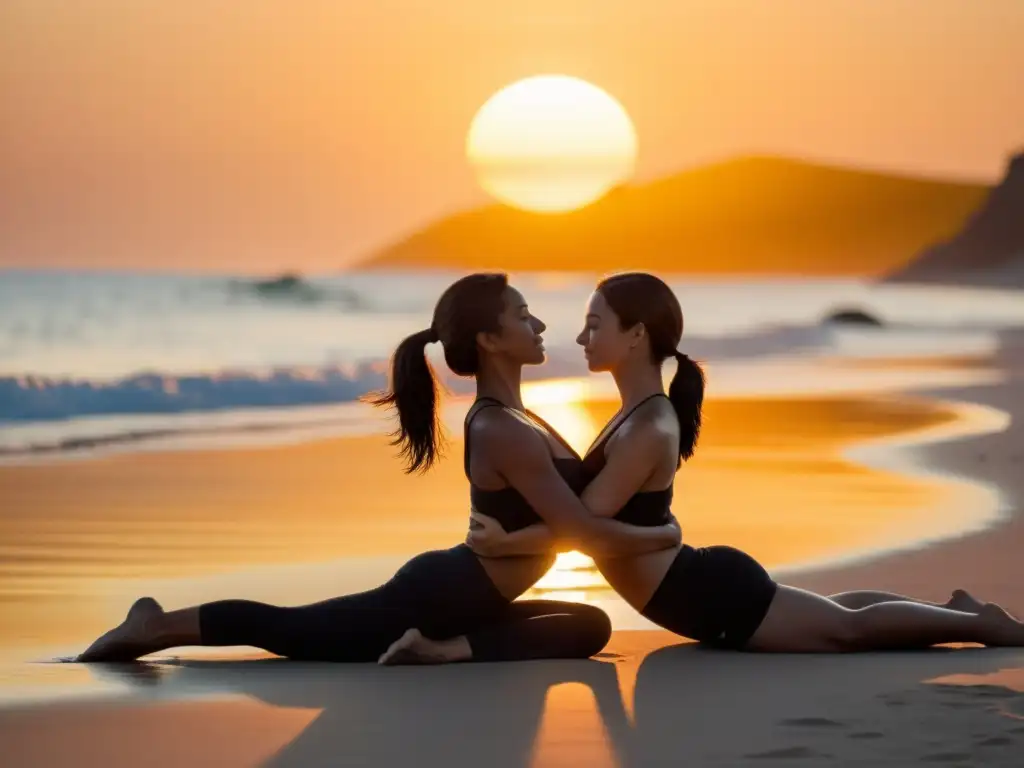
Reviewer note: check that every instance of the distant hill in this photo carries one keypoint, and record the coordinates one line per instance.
(747, 216)
(989, 250)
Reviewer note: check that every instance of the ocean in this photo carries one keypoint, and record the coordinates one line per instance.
(90, 359)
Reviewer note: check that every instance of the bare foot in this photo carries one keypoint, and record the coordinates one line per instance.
(962, 600)
(414, 648)
(1003, 629)
(129, 640)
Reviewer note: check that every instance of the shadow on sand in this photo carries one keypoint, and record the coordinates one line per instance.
(690, 705)
(457, 715)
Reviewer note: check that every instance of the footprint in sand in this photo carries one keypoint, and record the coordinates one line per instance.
(994, 741)
(814, 722)
(993, 692)
(946, 757)
(787, 753)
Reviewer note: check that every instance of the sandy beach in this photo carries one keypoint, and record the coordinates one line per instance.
(648, 700)
(276, 523)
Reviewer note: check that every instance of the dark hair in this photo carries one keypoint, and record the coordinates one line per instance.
(637, 297)
(470, 305)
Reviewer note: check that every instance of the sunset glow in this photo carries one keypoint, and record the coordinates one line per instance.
(572, 572)
(551, 144)
(561, 404)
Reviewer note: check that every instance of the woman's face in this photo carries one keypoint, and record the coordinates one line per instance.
(605, 344)
(520, 339)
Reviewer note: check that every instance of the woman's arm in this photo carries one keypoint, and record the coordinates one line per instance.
(522, 457)
(487, 538)
(491, 540)
(633, 456)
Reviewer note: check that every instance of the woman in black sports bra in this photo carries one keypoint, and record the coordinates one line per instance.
(717, 595)
(488, 333)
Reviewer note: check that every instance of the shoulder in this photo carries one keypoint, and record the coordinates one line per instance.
(496, 427)
(652, 429)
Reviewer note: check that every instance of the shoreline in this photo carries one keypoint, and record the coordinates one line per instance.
(946, 419)
(989, 503)
(783, 374)
(980, 561)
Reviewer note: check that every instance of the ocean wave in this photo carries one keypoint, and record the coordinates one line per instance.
(48, 416)
(37, 398)
(118, 433)
(113, 437)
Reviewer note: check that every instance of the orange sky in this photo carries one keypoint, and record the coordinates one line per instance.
(265, 134)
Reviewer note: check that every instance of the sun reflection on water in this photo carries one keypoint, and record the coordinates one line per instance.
(561, 404)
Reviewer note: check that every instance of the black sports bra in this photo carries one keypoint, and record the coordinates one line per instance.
(645, 508)
(507, 505)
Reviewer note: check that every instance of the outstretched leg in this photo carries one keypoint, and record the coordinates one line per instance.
(960, 600)
(352, 628)
(803, 622)
(443, 593)
(528, 629)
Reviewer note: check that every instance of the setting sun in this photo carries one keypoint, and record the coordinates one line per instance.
(551, 143)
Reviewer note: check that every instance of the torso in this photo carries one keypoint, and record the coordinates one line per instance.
(635, 578)
(716, 595)
(491, 496)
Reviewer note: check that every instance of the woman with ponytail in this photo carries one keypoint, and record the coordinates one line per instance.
(446, 605)
(716, 595)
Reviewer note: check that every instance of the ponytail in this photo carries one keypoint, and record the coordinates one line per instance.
(414, 396)
(686, 392)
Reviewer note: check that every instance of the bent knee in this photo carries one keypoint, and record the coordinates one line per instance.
(597, 632)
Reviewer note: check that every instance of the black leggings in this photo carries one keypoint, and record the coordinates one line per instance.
(445, 593)
(716, 595)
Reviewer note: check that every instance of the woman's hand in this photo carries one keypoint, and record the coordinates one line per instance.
(644, 540)
(674, 532)
(485, 535)
(487, 538)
